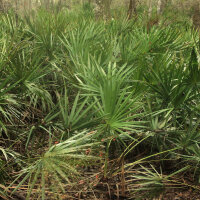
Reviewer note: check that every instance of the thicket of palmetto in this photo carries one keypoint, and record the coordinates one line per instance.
(91, 106)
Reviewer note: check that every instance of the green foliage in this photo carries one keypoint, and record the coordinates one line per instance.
(70, 79)
(59, 163)
(151, 181)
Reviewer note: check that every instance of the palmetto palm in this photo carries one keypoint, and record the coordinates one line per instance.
(72, 116)
(150, 180)
(59, 163)
(69, 78)
(117, 105)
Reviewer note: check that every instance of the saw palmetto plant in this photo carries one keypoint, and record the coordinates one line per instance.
(59, 163)
(151, 182)
(81, 98)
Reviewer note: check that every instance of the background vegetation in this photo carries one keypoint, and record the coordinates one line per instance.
(99, 100)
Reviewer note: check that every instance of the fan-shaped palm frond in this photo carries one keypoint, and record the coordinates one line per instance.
(59, 163)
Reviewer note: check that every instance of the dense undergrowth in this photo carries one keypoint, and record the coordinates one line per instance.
(120, 97)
